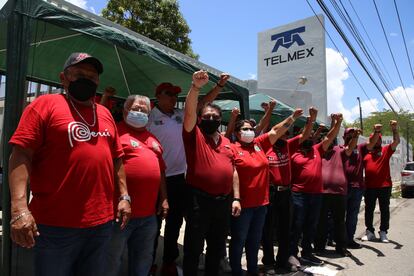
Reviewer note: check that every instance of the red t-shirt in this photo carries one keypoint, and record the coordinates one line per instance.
(143, 166)
(333, 173)
(279, 162)
(377, 168)
(354, 167)
(210, 167)
(72, 176)
(253, 170)
(307, 170)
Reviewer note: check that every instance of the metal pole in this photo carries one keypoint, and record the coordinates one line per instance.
(18, 42)
(408, 143)
(360, 114)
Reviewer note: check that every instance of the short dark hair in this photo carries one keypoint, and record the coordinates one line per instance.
(240, 123)
(211, 105)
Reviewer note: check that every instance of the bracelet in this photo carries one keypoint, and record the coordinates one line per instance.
(218, 84)
(16, 218)
(236, 199)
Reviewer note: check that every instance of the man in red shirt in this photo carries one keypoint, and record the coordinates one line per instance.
(211, 179)
(307, 191)
(145, 174)
(378, 182)
(69, 148)
(278, 211)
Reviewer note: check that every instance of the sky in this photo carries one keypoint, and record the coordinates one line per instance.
(224, 34)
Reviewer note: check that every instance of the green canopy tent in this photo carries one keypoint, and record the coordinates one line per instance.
(36, 37)
(280, 112)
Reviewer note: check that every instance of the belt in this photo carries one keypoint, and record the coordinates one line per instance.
(209, 196)
(282, 188)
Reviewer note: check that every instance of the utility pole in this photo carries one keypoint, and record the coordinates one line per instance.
(408, 142)
(360, 114)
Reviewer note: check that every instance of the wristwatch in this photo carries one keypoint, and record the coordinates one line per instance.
(125, 197)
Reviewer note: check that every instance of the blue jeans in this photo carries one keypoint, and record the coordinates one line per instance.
(306, 210)
(61, 251)
(139, 236)
(246, 231)
(353, 204)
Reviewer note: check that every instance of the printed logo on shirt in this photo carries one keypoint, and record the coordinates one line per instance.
(134, 144)
(156, 146)
(158, 123)
(240, 153)
(80, 132)
(257, 148)
(178, 119)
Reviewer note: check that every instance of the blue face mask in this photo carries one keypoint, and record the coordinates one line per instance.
(137, 119)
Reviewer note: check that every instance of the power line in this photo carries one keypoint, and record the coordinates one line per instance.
(351, 48)
(392, 55)
(405, 43)
(343, 58)
(358, 38)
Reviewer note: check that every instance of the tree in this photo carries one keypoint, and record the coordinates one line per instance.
(160, 20)
(405, 119)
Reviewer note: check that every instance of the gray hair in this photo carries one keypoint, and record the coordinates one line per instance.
(132, 98)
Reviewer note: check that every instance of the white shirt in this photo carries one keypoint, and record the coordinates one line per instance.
(169, 131)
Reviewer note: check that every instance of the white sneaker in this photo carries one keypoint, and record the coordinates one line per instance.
(383, 237)
(369, 236)
(225, 265)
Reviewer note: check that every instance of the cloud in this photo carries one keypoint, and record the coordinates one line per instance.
(92, 9)
(367, 107)
(393, 34)
(336, 75)
(80, 3)
(252, 76)
(402, 98)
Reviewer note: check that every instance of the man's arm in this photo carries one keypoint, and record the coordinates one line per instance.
(313, 112)
(108, 92)
(232, 122)
(22, 223)
(278, 130)
(200, 78)
(163, 206)
(374, 139)
(124, 207)
(265, 120)
(353, 143)
(212, 94)
(236, 207)
(333, 132)
(395, 134)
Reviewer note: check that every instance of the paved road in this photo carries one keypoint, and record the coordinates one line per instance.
(378, 259)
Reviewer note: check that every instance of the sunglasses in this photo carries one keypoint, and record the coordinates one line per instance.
(247, 128)
(170, 94)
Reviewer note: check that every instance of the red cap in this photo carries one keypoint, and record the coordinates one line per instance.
(166, 86)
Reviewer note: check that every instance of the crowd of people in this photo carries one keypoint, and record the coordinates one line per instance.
(101, 187)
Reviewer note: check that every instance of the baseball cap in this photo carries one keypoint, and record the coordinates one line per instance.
(166, 86)
(76, 58)
(348, 131)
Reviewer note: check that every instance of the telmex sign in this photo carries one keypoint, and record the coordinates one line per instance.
(289, 52)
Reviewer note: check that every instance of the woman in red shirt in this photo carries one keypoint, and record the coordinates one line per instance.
(253, 170)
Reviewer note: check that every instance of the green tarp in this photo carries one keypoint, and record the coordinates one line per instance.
(132, 63)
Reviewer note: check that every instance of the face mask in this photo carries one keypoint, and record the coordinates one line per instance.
(82, 89)
(209, 126)
(307, 144)
(280, 143)
(247, 136)
(137, 119)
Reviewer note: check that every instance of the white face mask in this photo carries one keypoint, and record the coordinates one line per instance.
(247, 136)
(137, 119)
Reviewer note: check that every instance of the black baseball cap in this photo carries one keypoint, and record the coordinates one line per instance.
(76, 58)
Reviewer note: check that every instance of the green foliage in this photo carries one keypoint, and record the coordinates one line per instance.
(405, 119)
(160, 20)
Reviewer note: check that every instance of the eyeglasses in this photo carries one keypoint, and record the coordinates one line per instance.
(211, 117)
(170, 94)
(247, 128)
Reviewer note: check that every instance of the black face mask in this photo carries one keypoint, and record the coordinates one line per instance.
(209, 126)
(280, 143)
(82, 89)
(307, 144)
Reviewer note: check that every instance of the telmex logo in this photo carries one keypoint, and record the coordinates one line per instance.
(286, 39)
